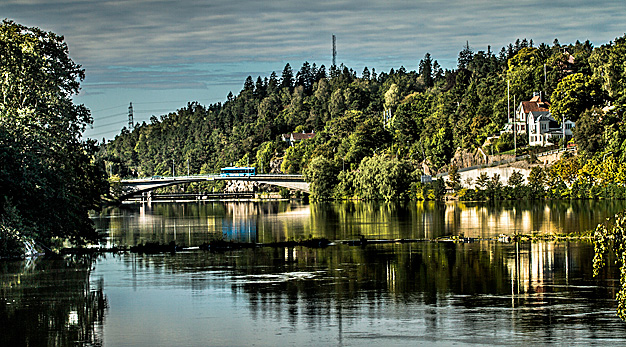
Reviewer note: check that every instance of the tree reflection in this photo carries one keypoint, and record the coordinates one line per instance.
(192, 224)
(520, 286)
(50, 302)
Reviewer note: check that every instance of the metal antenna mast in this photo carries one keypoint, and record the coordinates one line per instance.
(334, 51)
(130, 117)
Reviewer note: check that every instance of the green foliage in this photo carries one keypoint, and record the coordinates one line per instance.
(454, 178)
(610, 237)
(322, 177)
(609, 64)
(573, 95)
(526, 72)
(296, 157)
(383, 178)
(48, 178)
(589, 131)
(264, 156)
(347, 186)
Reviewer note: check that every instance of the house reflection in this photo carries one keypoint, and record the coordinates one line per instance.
(538, 268)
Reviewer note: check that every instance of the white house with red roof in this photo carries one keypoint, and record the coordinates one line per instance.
(533, 119)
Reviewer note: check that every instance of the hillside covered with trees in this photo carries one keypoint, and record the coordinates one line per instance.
(375, 129)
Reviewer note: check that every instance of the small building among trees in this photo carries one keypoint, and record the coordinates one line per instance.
(297, 137)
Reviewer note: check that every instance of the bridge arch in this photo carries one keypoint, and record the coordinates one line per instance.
(133, 187)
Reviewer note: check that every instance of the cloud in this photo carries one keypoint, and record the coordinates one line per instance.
(152, 43)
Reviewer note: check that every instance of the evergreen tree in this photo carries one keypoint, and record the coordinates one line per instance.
(465, 56)
(426, 70)
(286, 80)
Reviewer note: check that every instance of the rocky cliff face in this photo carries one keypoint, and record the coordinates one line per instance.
(465, 158)
(275, 165)
(240, 186)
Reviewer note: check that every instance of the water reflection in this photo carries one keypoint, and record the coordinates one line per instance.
(443, 292)
(50, 302)
(191, 224)
(483, 292)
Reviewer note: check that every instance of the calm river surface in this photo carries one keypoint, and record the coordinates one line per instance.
(417, 293)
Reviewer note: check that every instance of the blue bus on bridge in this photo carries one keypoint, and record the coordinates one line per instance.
(238, 171)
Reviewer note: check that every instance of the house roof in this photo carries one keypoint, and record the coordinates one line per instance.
(535, 105)
(302, 136)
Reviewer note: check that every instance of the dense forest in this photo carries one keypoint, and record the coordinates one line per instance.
(384, 123)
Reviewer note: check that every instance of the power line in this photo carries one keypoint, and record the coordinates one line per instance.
(140, 103)
(106, 125)
(160, 102)
(158, 110)
(108, 108)
(99, 118)
(111, 115)
(98, 134)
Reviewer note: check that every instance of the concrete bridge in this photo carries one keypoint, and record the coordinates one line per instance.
(130, 187)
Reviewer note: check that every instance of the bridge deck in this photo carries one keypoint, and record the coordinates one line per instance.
(136, 186)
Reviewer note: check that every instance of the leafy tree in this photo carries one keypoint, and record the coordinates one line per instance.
(322, 176)
(48, 178)
(589, 131)
(368, 137)
(516, 179)
(454, 178)
(264, 156)
(609, 64)
(347, 185)
(516, 185)
(248, 85)
(573, 95)
(536, 183)
(383, 178)
(494, 187)
(366, 73)
(392, 97)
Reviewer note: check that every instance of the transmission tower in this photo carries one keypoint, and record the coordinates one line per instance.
(130, 117)
(334, 51)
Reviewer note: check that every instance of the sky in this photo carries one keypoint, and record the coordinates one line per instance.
(162, 54)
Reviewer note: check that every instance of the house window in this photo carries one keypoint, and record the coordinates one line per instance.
(543, 126)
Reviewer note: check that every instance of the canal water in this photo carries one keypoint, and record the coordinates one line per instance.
(426, 292)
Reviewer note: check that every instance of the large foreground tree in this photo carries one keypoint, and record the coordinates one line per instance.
(48, 179)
